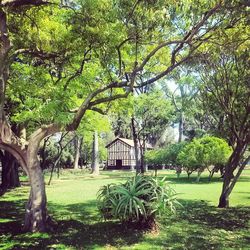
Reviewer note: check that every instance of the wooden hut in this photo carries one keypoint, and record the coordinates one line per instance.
(121, 154)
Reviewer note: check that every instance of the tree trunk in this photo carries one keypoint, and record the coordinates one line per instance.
(77, 151)
(4, 65)
(36, 212)
(224, 201)
(144, 164)
(15, 182)
(211, 174)
(181, 125)
(36, 217)
(95, 155)
(135, 139)
(198, 176)
(10, 178)
(229, 180)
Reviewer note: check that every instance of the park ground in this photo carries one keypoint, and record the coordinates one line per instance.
(72, 204)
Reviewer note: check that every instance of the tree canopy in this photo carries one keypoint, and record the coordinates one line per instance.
(60, 60)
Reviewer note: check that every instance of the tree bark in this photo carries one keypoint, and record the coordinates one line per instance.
(4, 66)
(10, 178)
(95, 155)
(135, 139)
(36, 211)
(36, 217)
(77, 151)
(229, 179)
(198, 176)
(181, 125)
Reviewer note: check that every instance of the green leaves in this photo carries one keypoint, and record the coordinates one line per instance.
(140, 199)
(165, 156)
(203, 152)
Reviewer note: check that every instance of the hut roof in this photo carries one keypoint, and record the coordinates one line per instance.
(128, 142)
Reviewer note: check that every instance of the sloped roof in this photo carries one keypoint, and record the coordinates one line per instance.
(128, 142)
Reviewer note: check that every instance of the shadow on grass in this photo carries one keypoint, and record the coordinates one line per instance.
(201, 226)
(78, 227)
(197, 225)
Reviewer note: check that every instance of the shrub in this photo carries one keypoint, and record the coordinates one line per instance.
(139, 201)
(203, 152)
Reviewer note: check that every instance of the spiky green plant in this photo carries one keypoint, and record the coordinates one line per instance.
(139, 200)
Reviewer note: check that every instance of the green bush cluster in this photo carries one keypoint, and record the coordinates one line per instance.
(196, 155)
(140, 200)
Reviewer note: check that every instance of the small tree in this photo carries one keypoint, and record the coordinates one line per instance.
(203, 152)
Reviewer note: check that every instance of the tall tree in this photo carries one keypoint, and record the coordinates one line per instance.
(68, 51)
(152, 113)
(226, 94)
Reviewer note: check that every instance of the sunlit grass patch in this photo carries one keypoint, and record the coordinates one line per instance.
(72, 203)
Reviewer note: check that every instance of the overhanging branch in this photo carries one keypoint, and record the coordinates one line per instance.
(20, 3)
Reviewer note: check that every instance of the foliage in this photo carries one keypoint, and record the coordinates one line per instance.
(139, 200)
(153, 113)
(203, 152)
(166, 156)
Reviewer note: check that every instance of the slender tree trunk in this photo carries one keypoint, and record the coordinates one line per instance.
(95, 155)
(135, 139)
(181, 125)
(229, 179)
(15, 181)
(198, 176)
(77, 151)
(211, 174)
(142, 166)
(144, 163)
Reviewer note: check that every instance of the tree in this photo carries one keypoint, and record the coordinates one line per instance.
(203, 152)
(225, 91)
(152, 114)
(183, 98)
(68, 52)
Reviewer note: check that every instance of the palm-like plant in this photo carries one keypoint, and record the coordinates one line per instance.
(139, 200)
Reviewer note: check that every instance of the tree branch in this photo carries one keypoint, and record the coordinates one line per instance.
(20, 3)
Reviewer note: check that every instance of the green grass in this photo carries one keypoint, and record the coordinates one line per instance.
(71, 202)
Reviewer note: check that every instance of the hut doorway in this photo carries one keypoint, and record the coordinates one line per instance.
(119, 163)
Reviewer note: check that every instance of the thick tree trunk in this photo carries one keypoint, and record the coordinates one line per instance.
(36, 212)
(95, 155)
(36, 217)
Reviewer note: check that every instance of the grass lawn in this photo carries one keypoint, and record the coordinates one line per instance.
(72, 203)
